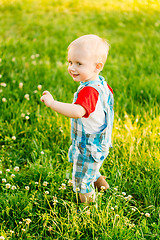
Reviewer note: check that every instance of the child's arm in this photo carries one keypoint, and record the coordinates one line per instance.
(67, 109)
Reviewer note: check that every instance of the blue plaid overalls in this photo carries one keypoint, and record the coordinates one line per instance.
(88, 151)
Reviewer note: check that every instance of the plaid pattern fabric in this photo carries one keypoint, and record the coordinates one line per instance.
(88, 151)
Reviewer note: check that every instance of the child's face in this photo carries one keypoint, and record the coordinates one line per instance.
(82, 64)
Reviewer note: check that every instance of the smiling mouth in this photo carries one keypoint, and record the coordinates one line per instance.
(75, 75)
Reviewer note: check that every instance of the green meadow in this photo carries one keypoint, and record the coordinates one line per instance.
(36, 196)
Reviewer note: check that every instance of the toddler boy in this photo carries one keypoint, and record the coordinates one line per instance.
(91, 114)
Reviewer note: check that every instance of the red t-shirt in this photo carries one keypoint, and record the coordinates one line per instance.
(87, 98)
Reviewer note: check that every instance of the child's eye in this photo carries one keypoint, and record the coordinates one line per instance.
(70, 63)
(79, 63)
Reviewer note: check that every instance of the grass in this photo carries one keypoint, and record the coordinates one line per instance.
(34, 36)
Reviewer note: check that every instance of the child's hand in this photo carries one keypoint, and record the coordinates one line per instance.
(47, 99)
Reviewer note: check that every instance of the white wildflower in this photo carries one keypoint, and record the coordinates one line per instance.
(147, 215)
(27, 188)
(28, 221)
(112, 208)
(13, 137)
(12, 175)
(4, 180)
(13, 59)
(4, 100)
(13, 187)
(42, 152)
(46, 192)
(16, 169)
(124, 193)
(77, 189)
(36, 183)
(39, 87)
(70, 183)
(33, 57)
(102, 188)
(63, 186)
(26, 96)
(55, 200)
(8, 170)
(45, 184)
(8, 185)
(0, 172)
(23, 115)
(2, 238)
(27, 117)
(23, 229)
(3, 84)
(20, 85)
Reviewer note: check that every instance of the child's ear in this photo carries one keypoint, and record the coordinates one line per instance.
(99, 67)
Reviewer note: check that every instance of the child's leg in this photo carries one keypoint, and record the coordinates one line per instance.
(101, 182)
(87, 197)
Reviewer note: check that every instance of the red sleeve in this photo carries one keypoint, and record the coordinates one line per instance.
(87, 98)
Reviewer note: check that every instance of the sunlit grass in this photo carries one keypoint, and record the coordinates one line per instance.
(37, 200)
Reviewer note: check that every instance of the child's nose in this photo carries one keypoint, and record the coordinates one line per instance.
(72, 67)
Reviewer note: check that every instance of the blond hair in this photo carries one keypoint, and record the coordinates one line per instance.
(94, 44)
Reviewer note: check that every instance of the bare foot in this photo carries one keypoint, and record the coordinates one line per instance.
(101, 182)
